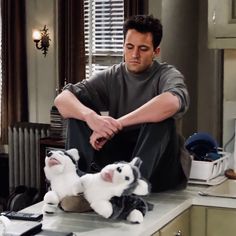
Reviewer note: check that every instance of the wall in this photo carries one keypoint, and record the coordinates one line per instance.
(210, 80)
(179, 47)
(42, 71)
(184, 45)
(180, 20)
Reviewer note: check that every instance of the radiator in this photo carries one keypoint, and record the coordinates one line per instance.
(24, 153)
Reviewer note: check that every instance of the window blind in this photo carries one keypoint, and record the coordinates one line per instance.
(103, 30)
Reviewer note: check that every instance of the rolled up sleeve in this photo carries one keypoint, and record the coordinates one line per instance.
(173, 81)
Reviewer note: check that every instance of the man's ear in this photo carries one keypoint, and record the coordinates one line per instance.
(156, 51)
(142, 188)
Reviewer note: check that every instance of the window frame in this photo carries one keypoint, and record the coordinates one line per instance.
(100, 19)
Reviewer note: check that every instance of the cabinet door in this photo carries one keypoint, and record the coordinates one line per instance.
(222, 23)
(221, 221)
(156, 234)
(198, 221)
(178, 227)
(223, 17)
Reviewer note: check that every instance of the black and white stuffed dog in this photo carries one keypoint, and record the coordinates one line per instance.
(60, 170)
(115, 191)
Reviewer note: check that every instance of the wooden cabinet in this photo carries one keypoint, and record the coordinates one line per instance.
(198, 221)
(180, 226)
(222, 23)
(220, 221)
(212, 221)
(201, 221)
(156, 234)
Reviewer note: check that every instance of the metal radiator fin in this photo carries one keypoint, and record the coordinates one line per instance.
(24, 153)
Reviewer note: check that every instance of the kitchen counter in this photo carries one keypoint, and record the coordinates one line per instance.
(167, 206)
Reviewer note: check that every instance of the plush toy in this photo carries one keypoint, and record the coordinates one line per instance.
(115, 191)
(60, 170)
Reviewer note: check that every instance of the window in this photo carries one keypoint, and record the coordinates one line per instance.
(103, 30)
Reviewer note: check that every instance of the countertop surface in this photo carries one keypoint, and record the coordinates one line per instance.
(167, 206)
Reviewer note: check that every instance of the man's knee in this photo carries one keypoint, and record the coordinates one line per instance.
(161, 131)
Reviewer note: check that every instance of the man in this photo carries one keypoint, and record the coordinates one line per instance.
(143, 97)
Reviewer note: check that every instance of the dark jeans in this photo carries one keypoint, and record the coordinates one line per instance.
(157, 144)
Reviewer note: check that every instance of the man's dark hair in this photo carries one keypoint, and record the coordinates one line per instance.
(145, 24)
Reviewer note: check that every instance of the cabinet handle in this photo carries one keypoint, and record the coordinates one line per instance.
(214, 17)
(179, 233)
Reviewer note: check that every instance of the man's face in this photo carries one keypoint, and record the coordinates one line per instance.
(138, 51)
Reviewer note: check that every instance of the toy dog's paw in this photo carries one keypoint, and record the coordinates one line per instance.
(51, 201)
(77, 188)
(135, 216)
(51, 198)
(103, 208)
(49, 208)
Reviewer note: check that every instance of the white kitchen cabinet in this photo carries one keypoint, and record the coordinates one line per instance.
(222, 23)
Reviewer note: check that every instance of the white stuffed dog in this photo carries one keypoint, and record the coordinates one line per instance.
(110, 189)
(60, 170)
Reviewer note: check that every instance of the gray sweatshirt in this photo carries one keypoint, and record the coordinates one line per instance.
(119, 91)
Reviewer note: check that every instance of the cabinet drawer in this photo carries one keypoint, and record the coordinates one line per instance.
(178, 227)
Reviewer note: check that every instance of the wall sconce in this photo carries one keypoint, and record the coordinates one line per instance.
(41, 39)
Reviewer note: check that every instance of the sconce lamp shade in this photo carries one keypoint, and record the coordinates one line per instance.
(41, 39)
(36, 35)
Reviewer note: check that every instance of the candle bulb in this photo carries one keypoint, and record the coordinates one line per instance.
(36, 35)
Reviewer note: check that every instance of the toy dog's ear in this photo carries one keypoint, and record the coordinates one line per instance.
(136, 162)
(73, 153)
(142, 188)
